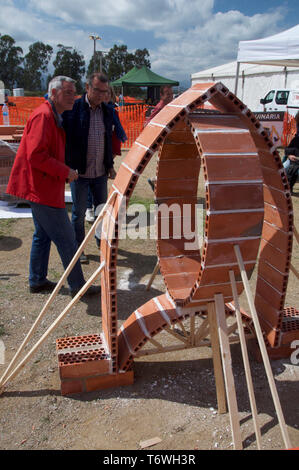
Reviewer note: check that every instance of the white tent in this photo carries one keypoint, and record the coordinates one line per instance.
(254, 81)
(281, 49)
(261, 66)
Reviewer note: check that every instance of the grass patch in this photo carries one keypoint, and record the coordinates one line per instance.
(6, 226)
(145, 202)
(2, 330)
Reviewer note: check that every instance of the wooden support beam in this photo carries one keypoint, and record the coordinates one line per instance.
(294, 270)
(245, 359)
(228, 373)
(154, 274)
(177, 335)
(53, 326)
(192, 330)
(263, 349)
(218, 373)
(202, 331)
(56, 290)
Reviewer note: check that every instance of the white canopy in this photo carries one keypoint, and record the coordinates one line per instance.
(254, 82)
(281, 49)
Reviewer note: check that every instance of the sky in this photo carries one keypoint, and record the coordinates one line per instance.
(182, 37)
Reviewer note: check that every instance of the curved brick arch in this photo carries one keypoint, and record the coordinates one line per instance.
(178, 118)
(234, 205)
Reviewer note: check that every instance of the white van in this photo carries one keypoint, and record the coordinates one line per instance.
(281, 99)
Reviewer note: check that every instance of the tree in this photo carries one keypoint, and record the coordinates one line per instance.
(141, 57)
(119, 61)
(35, 64)
(71, 63)
(97, 63)
(10, 61)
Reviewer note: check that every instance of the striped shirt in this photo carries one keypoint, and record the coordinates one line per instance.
(96, 144)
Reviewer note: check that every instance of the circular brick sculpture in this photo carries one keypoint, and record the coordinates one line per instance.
(247, 202)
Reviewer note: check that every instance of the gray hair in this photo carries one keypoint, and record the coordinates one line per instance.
(57, 82)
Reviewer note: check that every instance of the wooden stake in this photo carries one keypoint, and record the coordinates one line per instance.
(54, 325)
(218, 373)
(154, 273)
(228, 373)
(57, 288)
(192, 330)
(263, 349)
(245, 359)
(294, 270)
(202, 331)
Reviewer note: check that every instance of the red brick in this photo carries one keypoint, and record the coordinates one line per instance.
(102, 382)
(71, 386)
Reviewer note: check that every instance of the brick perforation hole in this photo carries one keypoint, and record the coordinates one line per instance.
(78, 341)
(290, 320)
(82, 356)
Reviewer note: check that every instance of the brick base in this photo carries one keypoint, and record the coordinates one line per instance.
(84, 365)
(96, 382)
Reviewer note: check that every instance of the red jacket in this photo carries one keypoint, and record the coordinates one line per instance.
(39, 172)
(155, 111)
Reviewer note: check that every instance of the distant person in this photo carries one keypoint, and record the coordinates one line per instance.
(291, 160)
(88, 129)
(118, 137)
(38, 175)
(120, 99)
(166, 96)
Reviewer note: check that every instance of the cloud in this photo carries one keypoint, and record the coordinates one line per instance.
(190, 36)
(213, 43)
(128, 14)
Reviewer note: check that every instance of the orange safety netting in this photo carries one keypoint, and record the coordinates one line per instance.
(289, 129)
(132, 117)
(130, 99)
(20, 109)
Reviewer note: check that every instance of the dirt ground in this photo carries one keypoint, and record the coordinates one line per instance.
(173, 396)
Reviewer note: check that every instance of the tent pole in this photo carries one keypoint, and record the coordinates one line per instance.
(237, 78)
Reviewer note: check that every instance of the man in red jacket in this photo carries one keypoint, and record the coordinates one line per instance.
(38, 175)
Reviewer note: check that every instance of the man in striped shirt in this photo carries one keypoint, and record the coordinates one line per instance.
(89, 149)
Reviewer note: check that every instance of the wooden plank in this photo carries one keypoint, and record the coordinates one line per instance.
(154, 273)
(157, 344)
(228, 373)
(245, 359)
(176, 335)
(192, 330)
(294, 270)
(150, 442)
(218, 373)
(263, 349)
(55, 292)
(54, 325)
(202, 331)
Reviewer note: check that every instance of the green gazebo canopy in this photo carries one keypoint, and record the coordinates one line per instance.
(143, 77)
